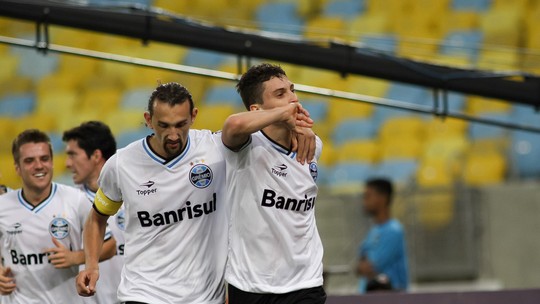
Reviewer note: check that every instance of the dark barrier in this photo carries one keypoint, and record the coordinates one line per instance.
(531, 296)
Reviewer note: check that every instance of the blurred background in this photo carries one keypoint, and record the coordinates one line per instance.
(468, 194)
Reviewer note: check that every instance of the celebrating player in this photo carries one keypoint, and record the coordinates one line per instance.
(275, 252)
(88, 147)
(40, 215)
(172, 186)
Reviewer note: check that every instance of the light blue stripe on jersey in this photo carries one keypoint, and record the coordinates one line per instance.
(41, 205)
(162, 161)
(91, 195)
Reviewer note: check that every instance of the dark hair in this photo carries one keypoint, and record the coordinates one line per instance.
(250, 85)
(29, 136)
(382, 186)
(92, 136)
(172, 93)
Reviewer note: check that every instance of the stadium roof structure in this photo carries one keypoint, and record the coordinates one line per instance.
(154, 24)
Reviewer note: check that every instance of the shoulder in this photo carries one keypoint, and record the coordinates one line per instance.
(9, 196)
(68, 191)
(394, 227)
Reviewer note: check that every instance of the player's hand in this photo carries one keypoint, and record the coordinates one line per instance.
(62, 257)
(302, 117)
(304, 144)
(86, 282)
(7, 282)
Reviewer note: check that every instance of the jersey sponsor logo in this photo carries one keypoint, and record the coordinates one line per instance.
(279, 170)
(18, 258)
(147, 191)
(270, 199)
(174, 216)
(59, 228)
(120, 219)
(200, 176)
(314, 170)
(15, 229)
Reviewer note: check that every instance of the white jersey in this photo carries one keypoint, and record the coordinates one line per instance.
(111, 269)
(175, 221)
(274, 245)
(25, 231)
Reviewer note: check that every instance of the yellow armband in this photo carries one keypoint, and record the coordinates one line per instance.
(104, 205)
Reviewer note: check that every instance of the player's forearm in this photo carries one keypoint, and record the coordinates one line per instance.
(238, 127)
(108, 250)
(94, 232)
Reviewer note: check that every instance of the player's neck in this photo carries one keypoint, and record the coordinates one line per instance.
(35, 196)
(279, 134)
(92, 186)
(382, 217)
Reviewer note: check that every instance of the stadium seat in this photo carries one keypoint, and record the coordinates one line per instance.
(460, 21)
(9, 64)
(368, 25)
(386, 43)
(122, 121)
(136, 99)
(16, 105)
(382, 114)
(345, 9)
(471, 5)
(450, 147)
(409, 93)
(344, 109)
(46, 122)
(482, 169)
(460, 42)
(279, 17)
(125, 138)
(398, 171)
(397, 148)
(56, 101)
(349, 176)
(525, 154)
(213, 117)
(479, 105)
(103, 100)
(483, 131)
(434, 173)
(317, 108)
(402, 127)
(325, 28)
(35, 65)
(353, 129)
(502, 27)
(9, 175)
(203, 58)
(505, 59)
(366, 151)
(367, 86)
(525, 115)
(59, 81)
(223, 95)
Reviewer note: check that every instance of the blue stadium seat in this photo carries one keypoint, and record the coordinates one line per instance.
(56, 142)
(483, 131)
(16, 105)
(471, 5)
(525, 153)
(353, 129)
(125, 138)
(317, 108)
(399, 171)
(383, 43)
(323, 174)
(526, 115)
(456, 101)
(136, 99)
(280, 17)
(345, 9)
(349, 173)
(35, 65)
(382, 114)
(462, 43)
(204, 58)
(223, 94)
(409, 93)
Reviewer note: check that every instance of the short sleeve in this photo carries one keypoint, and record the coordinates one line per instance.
(318, 147)
(108, 179)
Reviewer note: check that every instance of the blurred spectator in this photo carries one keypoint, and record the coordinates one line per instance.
(382, 260)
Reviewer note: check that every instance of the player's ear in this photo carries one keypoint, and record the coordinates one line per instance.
(97, 154)
(194, 114)
(148, 119)
(255, 107)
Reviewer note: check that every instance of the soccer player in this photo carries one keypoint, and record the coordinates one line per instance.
(382, 262)
(88, 146)
(172, 186)
(40, 229)
(275, 252)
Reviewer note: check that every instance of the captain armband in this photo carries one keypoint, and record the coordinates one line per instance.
(104, 205)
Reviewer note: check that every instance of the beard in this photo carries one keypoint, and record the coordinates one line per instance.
(172, 151)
